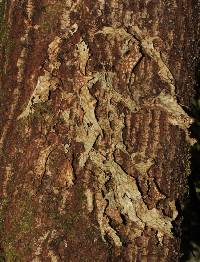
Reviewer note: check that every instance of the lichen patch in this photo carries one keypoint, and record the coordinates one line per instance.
(148, 47)
(46, 82)
(66, 177)
(40, 166)
(90, 199)
(91, 129)
(83, 52)
(144, 166)
(177, 115)
(128, 199)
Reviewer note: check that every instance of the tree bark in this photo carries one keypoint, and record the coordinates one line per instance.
(94, 140)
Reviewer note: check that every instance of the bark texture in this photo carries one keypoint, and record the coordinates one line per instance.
(94, 143)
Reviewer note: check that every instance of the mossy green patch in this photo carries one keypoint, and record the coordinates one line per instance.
(27, 218)
(3, 207)
(11, 254)
(21, 227)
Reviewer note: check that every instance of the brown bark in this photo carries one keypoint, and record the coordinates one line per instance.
(94, 139)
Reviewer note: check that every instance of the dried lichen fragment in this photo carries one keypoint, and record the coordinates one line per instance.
(65, 115)
(41, 163)
(155, 219)
(177, 114)
(52, 256)
(148, 47)
(143, 167)
(91, 129)
(83, 52)
(116, 32)
(66, 177)
(90, 199)
(103, 220)
(53, 50)
(46, 82)
(30, 9)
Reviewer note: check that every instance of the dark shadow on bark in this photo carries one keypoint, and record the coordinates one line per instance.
(191, 213)
(190, 247)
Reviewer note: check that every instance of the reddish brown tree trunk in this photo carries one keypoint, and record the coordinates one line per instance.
(94, 140)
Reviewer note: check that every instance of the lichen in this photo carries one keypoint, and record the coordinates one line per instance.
(46, 82)
(90, 199)
(83, 52)
(96, 122)
(128, 199)
(87, 134)
(124, 196)
(168, 102)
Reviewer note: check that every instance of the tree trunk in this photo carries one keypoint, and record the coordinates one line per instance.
(94, 140)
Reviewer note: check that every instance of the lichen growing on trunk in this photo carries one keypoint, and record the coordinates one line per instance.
(94, 139)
